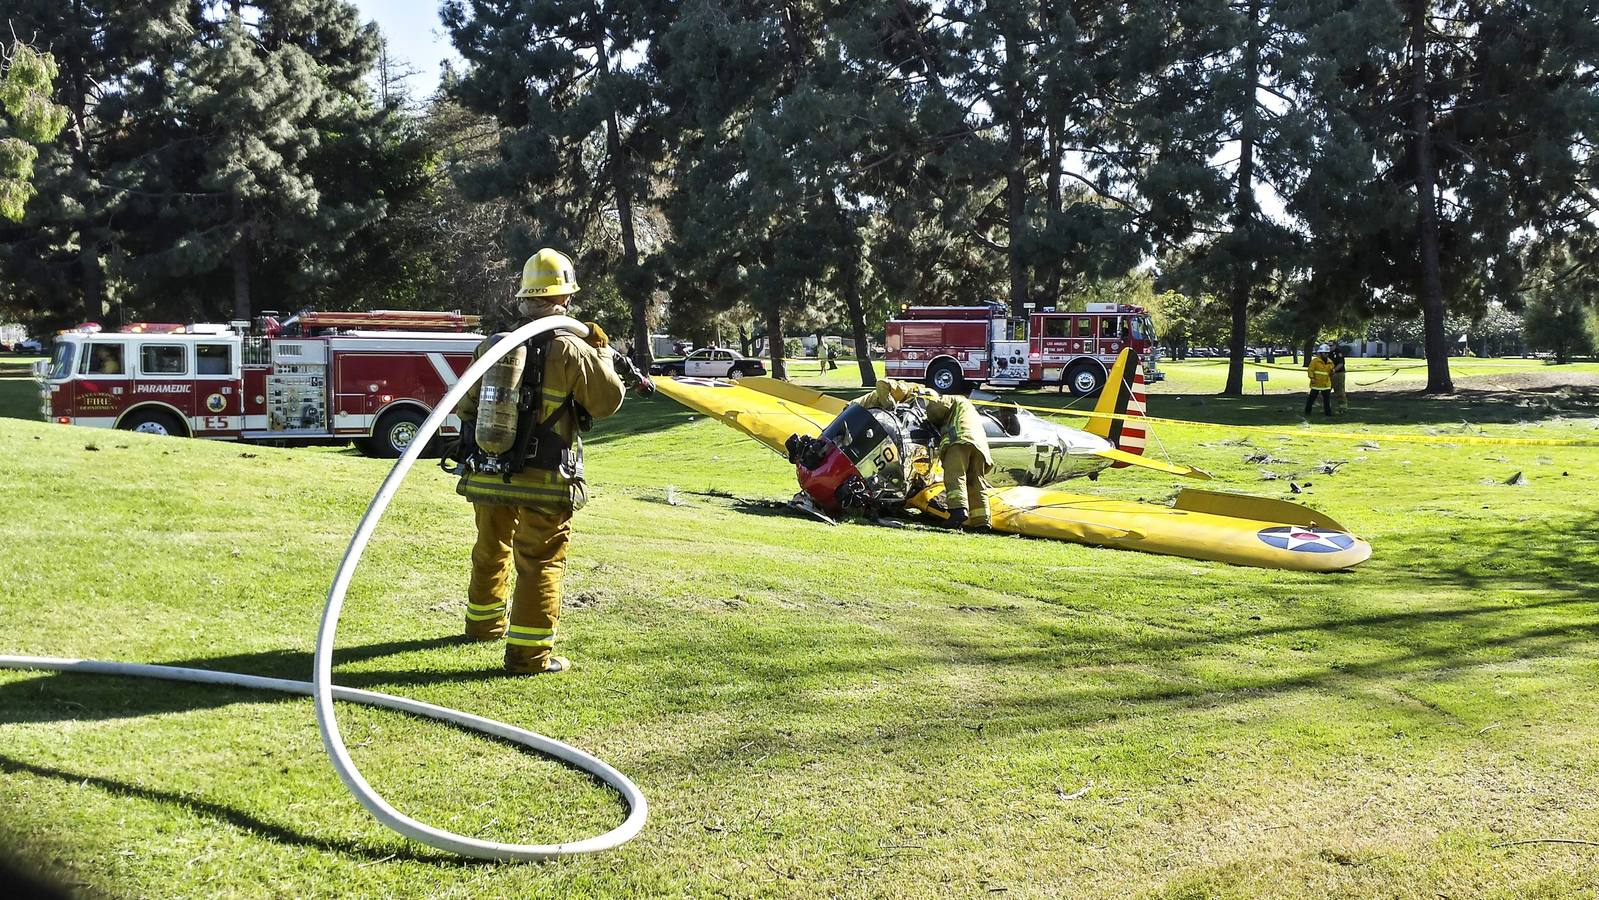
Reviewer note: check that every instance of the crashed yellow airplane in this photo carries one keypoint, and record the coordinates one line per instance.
(874, 461)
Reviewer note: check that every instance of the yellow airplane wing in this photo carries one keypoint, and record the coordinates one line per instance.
(763, 408)
(1133, 459)
(1233, 528)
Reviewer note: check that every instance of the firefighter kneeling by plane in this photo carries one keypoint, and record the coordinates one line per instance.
(907, 447)
(878, 455)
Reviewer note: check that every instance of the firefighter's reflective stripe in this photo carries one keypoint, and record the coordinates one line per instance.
(522, 636)
(536, 488)
(552, 401)
(479, 612)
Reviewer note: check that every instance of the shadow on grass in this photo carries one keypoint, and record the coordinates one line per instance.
(1095, 665)
(63, 696)
(240, 819)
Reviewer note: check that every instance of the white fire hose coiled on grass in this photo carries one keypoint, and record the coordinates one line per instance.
(324, 692)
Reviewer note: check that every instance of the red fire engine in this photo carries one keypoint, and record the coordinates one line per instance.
(371, 378)
(949, 346)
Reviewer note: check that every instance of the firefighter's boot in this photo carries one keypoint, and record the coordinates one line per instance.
(957, 517)
(518, 664)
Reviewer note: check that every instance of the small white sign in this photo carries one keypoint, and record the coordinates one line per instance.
(1262, 376)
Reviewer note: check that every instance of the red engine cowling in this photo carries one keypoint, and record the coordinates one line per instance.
(822, 481)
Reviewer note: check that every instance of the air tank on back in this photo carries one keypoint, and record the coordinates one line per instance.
(497, 402)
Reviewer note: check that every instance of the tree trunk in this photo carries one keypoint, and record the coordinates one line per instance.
(93, 278)
(239, 255)
(638, 300)
(857, 320)
(774, 339)
(1244, 209)
(1431, 286)
(1016, 184)
(1052, 195)
(77, 103)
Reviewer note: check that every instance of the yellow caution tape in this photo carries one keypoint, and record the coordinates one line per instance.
(1334, 435)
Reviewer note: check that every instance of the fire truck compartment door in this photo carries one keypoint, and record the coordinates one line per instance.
(297, 399)
(1010, 360)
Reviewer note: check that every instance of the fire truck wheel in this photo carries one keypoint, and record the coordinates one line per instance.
(153, 421)
(945, 377)
(394, 433)
(1085, 378)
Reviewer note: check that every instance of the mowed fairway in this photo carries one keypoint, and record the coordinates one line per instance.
(824, 711)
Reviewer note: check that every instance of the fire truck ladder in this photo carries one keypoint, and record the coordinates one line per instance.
(324, 692)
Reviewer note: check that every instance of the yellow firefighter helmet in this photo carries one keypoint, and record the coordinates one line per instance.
(548, 273)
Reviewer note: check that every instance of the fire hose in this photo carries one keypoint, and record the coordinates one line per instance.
(324, 692)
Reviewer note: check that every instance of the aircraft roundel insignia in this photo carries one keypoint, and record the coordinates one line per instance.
(1305, 540)
(703, 382)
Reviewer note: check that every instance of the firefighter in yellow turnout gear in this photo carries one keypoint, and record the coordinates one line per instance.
(963, 445)
(524, 518)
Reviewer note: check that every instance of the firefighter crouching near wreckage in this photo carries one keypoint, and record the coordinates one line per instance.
(964, 446)
(524, 514)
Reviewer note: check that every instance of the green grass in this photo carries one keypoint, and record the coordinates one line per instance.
(851, 710)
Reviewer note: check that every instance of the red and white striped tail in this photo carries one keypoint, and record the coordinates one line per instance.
(1133, 435)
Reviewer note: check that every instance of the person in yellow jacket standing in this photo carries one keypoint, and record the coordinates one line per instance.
(1340, 395)
(1320, 370)
(963, 446)
(524, 518)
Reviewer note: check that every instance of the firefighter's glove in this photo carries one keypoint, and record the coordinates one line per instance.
(597, 338)
(631, 376)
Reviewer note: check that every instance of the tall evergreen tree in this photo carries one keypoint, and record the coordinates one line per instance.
(58, 257)
(579, 149)
(1039, 78)
(1483, 118)
(277, 154)
(1233, 117)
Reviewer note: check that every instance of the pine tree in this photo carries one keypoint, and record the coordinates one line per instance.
(59, 257)
(279, 154)
(1482, 118)
(1563, 292)
(1236, 115)
(1040, 80)
(579, 149)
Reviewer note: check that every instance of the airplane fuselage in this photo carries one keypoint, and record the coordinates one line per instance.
(1042, 453)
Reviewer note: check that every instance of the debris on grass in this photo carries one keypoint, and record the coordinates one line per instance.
(1268, 475)
(1330, 467)
(1518, 479)
(1078, 794)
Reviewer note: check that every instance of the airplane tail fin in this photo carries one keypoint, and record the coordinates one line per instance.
(1123, 395)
